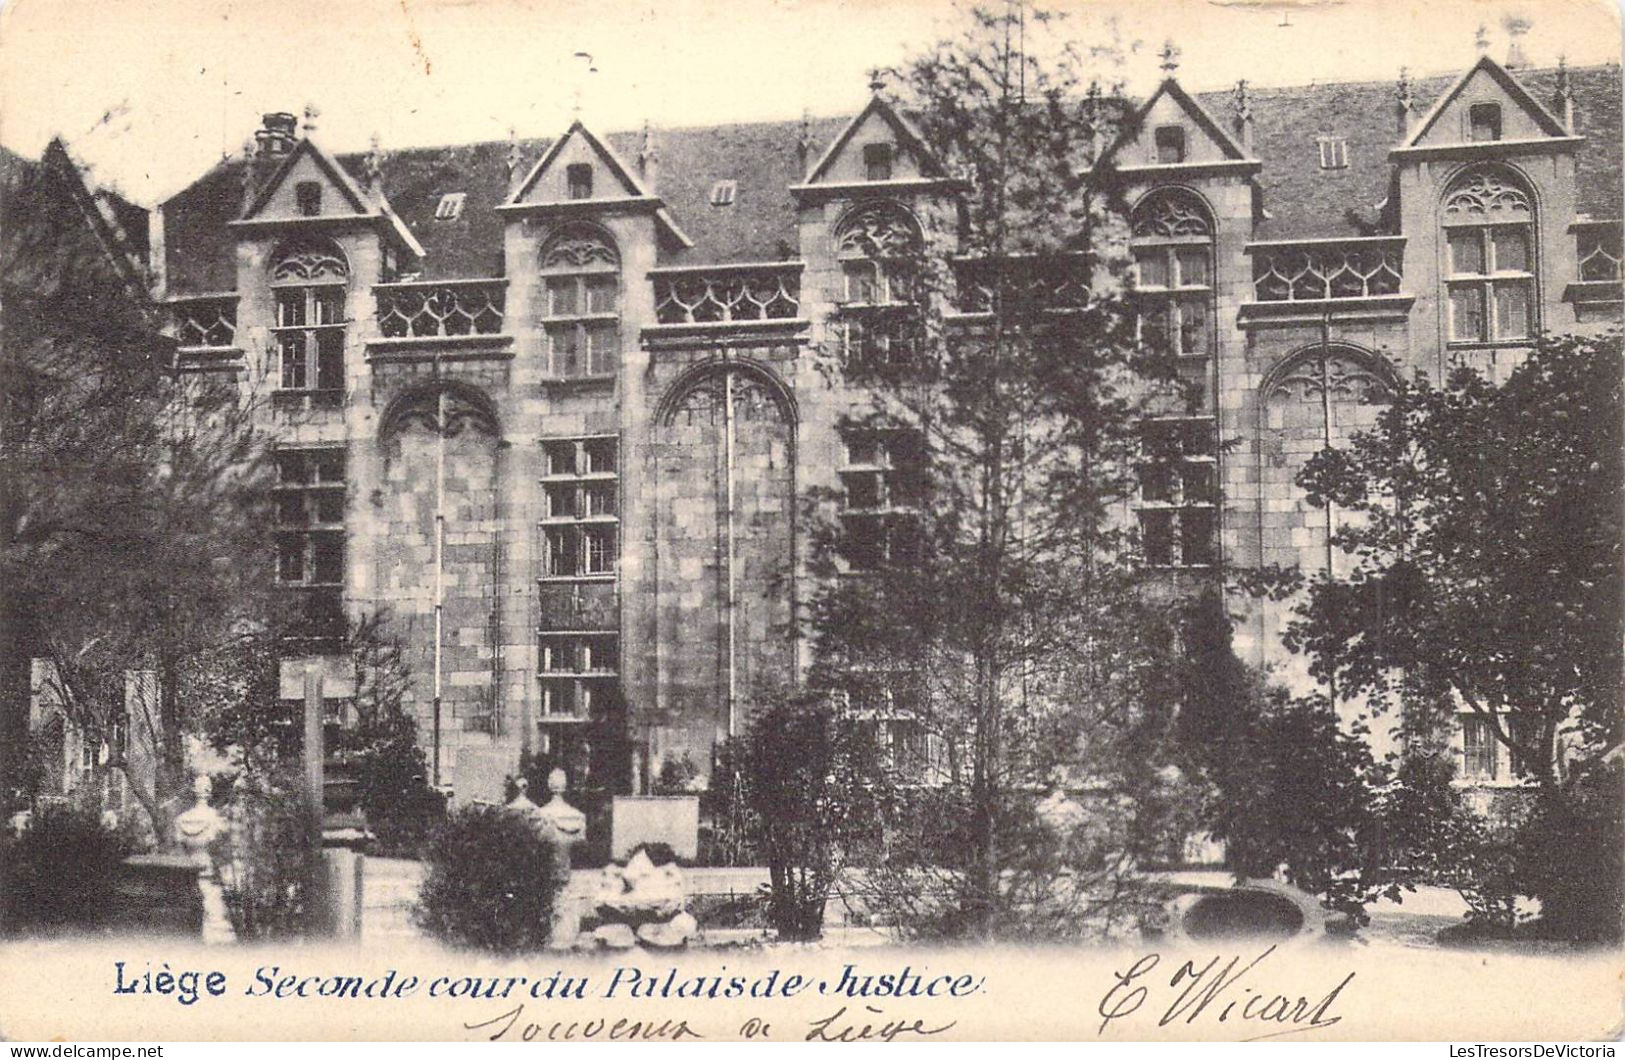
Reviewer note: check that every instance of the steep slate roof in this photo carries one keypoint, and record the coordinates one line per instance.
(1303, 200)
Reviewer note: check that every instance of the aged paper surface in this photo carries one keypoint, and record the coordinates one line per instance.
(199, 74)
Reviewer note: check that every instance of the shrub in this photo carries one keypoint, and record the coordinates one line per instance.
(490, 883)
(61, 872)
(266, 864)
(1569, 856)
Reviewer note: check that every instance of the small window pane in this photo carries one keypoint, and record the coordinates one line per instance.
(600, 294)
(1467, 252)
(328, 305)
(1512, 310)
(293, 362)
(1193, 329)
(290, 509)
(1193, 268)
(329, 360)
(291, 468)
(561, 550)
(561, 458)
(1157, 483)
(1511, 250)
(290, 558)
(1198, 483)
(1157, 537)
(327, 555)
(290, 308)
(1467, 313)
(600, 456)
(561, 501)
(599, 550)
(562, 300)
(861, 282)
(330, 506)
(862, 489)
(1484, 122)
(1170, 144)
(1478, 749)
(603, 349)
(1154, 269)
(1196, 536)
(565, 340)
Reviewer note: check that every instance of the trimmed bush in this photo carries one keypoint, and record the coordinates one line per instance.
(61, 872)
(490, 883)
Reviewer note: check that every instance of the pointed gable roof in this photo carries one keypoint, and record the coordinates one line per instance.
(901, 128)
(630, 184)
(360, 202)
(1226, 143)
(1507, 83)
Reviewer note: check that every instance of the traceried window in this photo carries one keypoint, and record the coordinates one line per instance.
(1173, 255)
(581, 520)
(882, 481)
(1178, 510)
(308, 284)
(310, 550)
(1599, 252)
(1489, 226)
(878, 246)
(581, 274)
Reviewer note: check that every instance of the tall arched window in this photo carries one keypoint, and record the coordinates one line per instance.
(308, 279)
(1489, 223)
(1173, 255)
(878, 245)
(581, 271)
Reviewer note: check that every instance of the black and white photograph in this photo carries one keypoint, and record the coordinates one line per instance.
(808, 520)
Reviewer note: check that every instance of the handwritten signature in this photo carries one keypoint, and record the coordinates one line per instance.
(1214, 992)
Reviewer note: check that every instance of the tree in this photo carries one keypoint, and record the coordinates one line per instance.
(131, 498)
(1487, 551)
(1486, 576)
(804, 788)
(1006, 618)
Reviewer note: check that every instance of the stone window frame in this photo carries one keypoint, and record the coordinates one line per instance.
(1481, 205)
(577, 544)
(1178, 506)
(888, 465)
(1486, 114)
(310, 497)
(1169, 140)
(878, 159)
(878, 244)
(309, 283)
(1173, 227)
(583, 260)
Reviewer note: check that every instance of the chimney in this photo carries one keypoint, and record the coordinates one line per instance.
(1516, 26)
(1565, 95)
(649, 159)
(1244, 118)
(276, 135)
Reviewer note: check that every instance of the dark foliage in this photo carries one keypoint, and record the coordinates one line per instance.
(266, 862)
(1568, 854)
(61, 872)
(490, 884)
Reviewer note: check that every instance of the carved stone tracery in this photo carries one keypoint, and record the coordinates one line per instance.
(878, 230)
(310, 261)
(1171, 213)
(1487, 193)
(578, 248)
(1347, 378)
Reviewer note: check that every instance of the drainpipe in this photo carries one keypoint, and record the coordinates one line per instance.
(439, 553)
(1326, 439)
(730, 600)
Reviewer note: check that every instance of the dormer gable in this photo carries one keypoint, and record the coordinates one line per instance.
(1485, 105)
(310, 185)
(1172, 128)
(877, 146)
(578, 167)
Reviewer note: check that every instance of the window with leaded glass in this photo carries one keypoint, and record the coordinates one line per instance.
(309, 283)
(581, 281)
(1173, 256)
(878, 247)
(308, 499)
(1179, 492)
(883, 484)
(1489, 229)
(581, 518)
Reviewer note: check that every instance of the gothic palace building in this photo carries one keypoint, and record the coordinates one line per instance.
(584, 362)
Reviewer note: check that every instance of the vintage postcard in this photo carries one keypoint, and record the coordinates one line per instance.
(807, 520)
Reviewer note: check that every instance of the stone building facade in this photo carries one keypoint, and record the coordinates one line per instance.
(550, 405)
